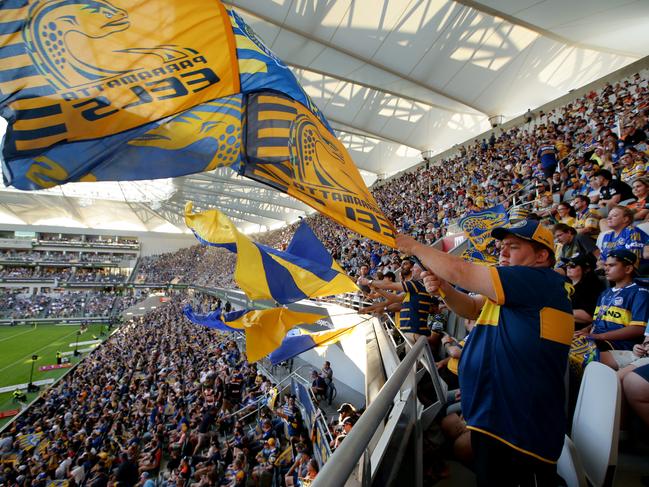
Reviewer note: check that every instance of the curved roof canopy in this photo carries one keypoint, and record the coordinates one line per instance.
(394, 78)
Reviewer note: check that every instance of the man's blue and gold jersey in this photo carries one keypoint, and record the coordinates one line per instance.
(415, 308)
(513, 364)
(617, 308)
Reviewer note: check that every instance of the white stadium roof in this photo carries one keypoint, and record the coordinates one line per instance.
(394, 78)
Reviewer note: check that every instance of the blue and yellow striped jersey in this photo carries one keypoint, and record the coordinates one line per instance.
(415, 308)
(617, 308)
(630, 238)
(513, 363)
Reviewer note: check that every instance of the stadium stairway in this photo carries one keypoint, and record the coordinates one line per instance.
(136, 268)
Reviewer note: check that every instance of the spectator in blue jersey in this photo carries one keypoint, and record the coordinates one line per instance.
(547, 156)
(416, 303)
(622, 311)
(623, 235)
(513, 364)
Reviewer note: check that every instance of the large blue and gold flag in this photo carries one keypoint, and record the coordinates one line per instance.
(264, 329)
(299, 340)
(98, 90)
(304, 270)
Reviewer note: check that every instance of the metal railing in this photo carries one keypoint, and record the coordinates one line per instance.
(398, 399)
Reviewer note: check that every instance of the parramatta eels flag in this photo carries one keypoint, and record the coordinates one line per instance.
(304, 270)
(98, 90)
(264, 329)
(299, 340)
(478, 226)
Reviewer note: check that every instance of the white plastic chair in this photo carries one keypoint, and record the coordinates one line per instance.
(596, 424)
(569, 466)
(644, 226)
(600, 239)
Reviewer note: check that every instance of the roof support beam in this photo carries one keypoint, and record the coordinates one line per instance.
(210, 177)
(539, 30)
(377, 88)
(45, 201)
(355, 56)
(254, 211)
(175, 208)
(372, 134)
(13, 212)
(218, 190)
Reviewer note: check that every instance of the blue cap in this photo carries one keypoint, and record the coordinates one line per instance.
(528, 230)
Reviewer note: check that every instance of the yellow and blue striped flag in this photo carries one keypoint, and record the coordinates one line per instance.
(264, 329)
(299, 340)
(304, 270)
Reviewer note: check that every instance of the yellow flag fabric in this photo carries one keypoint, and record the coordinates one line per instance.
(303, 271)
(298, 341)
(265, 329)
(94, 69)
(289, 148)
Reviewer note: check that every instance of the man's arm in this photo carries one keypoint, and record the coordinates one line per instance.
(467, 306)
(391, 297)
(472, 277)
(385, 285)
(626, 333)
(581, 316)
(610, 203)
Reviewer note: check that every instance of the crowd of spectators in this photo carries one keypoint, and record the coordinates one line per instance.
(163, 398)
(47, 273)
(96, 276)
(581, 169)
(69, 304)
(199, 265)
(604, 129)
(38, 256)
(88, 241)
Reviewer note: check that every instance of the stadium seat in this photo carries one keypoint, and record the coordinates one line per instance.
(569, 466)
(600, 238)
(596, 423)
(644, 226)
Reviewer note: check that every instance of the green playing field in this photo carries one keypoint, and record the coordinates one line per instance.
(19, 343)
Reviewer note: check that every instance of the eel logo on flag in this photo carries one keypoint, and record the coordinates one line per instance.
(478, 225)
(310, 149)
(88, 69)
(291, 150)
(52, 27)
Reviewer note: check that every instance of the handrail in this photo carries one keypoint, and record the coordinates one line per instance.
(343, 461)
(260, 399)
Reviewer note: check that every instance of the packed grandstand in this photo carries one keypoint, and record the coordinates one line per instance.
(163, 399)
(160, 401)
